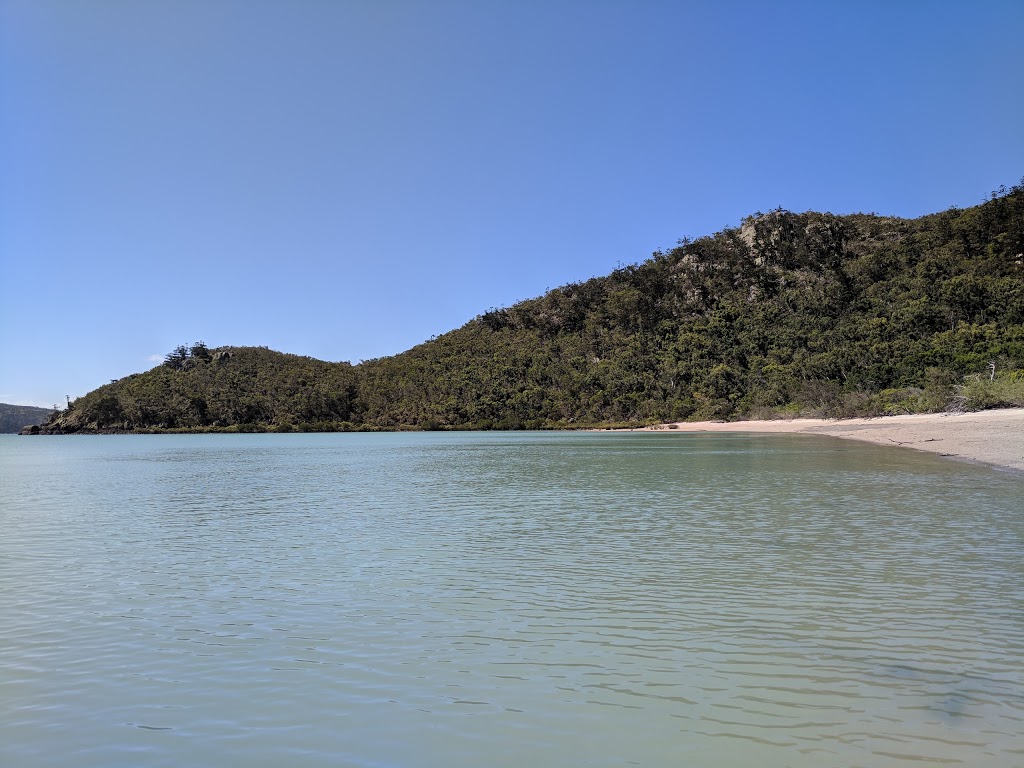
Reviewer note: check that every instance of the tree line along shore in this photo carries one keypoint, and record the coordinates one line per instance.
(786, 315)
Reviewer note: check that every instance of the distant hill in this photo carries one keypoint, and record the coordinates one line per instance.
(14, 417)
(787, 314)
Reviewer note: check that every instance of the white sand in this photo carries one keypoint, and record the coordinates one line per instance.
(992, 437)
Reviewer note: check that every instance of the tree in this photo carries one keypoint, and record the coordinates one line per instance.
(199, 351)
(177, 358)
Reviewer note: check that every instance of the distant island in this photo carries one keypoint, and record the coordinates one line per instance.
(14, 417)
(788, 314)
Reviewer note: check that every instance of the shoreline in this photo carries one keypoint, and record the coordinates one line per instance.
(994, 437)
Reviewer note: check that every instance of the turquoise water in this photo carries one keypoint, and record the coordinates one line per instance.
(506, 599)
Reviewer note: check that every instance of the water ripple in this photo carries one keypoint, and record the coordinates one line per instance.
(422, 600)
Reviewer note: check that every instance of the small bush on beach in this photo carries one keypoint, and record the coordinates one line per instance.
(896, 402)
(979, 393)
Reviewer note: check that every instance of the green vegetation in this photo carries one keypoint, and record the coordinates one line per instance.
(788, 314)
(980, 392)
(14, 417)
(244, 389)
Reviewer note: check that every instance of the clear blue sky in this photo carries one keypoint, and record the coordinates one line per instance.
(345, 179)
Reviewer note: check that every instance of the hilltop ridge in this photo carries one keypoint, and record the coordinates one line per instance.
(787, 314)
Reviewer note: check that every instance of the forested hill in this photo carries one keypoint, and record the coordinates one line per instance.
(786, 314)
(14, 417)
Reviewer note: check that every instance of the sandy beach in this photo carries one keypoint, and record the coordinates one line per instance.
(993, 437)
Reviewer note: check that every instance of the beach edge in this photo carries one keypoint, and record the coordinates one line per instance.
(994, 437)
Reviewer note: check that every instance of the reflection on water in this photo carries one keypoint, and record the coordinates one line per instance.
(507, 599)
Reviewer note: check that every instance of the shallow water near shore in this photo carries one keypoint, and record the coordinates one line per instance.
(507, 599)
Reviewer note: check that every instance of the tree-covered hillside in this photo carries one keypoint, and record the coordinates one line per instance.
(14, 417)
(787, 314)
(197, 388)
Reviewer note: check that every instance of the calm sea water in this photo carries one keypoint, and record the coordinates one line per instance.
(506, 600)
